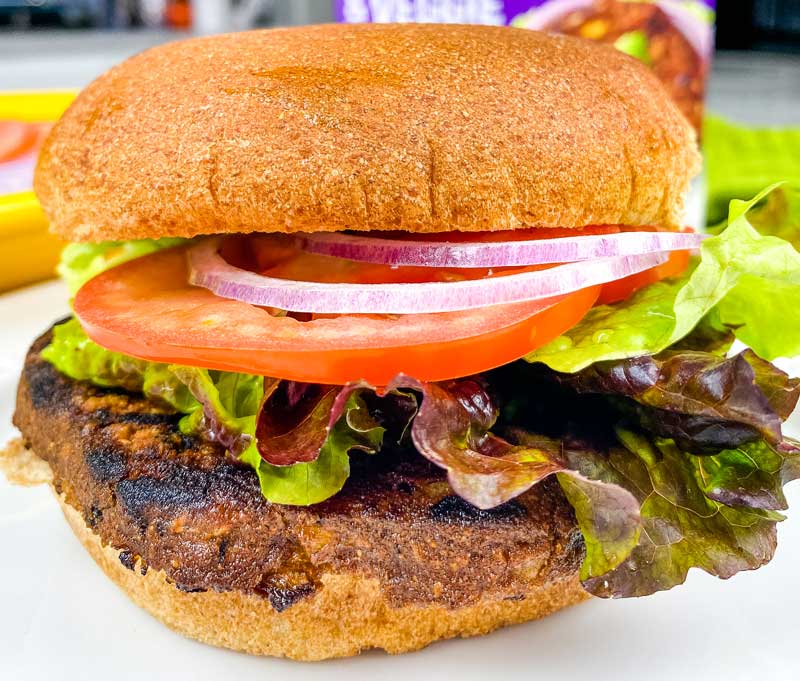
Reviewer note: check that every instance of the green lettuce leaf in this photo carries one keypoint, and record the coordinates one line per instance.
(306, 483)
(778, 216)
(305, 460)
(682, 527)
(75, 355)
(224, 407)
(750, 282)
(752, 475)
(218, 406)
(754, 279)
(82, 261)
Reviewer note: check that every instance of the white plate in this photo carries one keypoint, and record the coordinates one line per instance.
(60, 618)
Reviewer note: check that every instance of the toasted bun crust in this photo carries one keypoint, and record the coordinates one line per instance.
(425, 128)
(350, 614)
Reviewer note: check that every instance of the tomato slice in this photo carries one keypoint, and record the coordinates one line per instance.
(18, 138)
(615, 291)
(146, 308)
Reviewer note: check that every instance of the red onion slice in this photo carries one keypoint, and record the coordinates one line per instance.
(208, 269)
(497, 253)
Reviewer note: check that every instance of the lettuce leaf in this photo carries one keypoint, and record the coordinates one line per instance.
(778, 216)
(295, 419)
(697, 398)
(750, 281)
(648, 510)
(82, 261)
(740, 160)
(682, 527)
(752, 475)
(313, 481)
(224, 407)
(299, 451)
(75, 355)
(451, 429)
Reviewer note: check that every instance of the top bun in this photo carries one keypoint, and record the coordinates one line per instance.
(424, 128)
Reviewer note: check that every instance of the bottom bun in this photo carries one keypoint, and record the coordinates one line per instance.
(349, 614)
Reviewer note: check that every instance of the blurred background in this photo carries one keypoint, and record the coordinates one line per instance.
(732, 66)
(66, 43)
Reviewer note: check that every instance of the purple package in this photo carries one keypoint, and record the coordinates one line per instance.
(674, 37)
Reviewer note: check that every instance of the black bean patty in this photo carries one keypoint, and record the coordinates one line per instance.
(179, 504)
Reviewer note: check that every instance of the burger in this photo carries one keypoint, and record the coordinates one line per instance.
(386, 334)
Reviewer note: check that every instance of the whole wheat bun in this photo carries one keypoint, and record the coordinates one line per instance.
(424, 128)
(350, 614)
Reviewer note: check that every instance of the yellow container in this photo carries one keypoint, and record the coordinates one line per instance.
(28, 252)
(34, 106)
